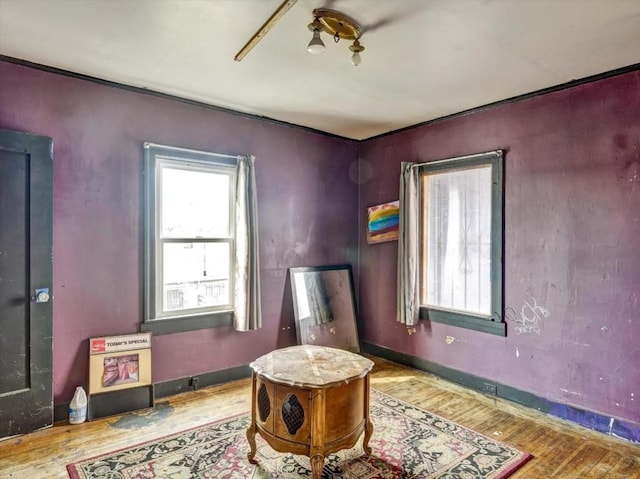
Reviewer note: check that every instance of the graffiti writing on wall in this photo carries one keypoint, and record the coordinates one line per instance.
(531, 317)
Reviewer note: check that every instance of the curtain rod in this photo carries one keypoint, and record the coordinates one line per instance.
(148, 145)
(457, 158)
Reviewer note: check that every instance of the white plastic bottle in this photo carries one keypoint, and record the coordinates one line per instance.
(78, 407)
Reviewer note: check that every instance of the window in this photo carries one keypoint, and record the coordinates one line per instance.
(461, 242)
(189, 239)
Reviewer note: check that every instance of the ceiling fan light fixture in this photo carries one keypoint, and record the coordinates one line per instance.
(340, 27)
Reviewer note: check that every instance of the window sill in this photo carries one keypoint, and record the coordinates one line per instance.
(467, 321)
(187, 323)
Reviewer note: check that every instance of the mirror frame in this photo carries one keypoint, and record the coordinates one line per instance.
(354, 320)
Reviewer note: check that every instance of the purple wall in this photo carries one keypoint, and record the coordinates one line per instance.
(572, 231)
(303, 179)
(572, 245)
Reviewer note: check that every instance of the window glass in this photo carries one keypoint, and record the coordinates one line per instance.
(192, 276)
(195, 275)
(458, 240)
(195, 203)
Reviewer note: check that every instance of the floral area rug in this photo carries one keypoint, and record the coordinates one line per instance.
(407, 442)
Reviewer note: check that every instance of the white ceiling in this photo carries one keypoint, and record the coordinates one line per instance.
(424, 59)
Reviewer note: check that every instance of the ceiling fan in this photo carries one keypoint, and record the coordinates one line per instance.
(334, 23)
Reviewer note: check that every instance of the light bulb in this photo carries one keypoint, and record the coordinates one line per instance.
(316, 45)
(356, 48)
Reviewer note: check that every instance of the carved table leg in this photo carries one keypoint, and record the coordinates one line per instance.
(316, 449)
(317, 463)
(251, 437)
(368, 431)
(368, 426)
(251, 430)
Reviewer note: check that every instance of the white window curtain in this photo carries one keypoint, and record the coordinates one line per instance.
(247, 315)
(408, 307)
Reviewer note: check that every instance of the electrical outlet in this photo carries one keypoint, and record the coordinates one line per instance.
(490, 388)
(194, 382)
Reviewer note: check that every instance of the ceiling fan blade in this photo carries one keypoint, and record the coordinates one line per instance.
(264, 29)
(381, 23)
(396, 16)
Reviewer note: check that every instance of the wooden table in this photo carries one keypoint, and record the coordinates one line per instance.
(310, 400)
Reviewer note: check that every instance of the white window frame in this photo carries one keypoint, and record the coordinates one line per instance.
(493, 323)
(158, 157)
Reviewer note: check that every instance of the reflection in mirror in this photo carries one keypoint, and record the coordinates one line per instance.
(324, 306)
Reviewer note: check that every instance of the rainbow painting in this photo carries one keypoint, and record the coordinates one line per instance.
(383, 222)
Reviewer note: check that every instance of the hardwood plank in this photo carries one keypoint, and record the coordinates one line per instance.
(626, 466)
(561, 449)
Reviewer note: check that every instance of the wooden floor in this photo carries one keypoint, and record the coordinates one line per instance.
(560, 449)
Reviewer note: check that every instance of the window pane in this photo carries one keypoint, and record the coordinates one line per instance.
(195, 204)
(458, 234)
(195, 275)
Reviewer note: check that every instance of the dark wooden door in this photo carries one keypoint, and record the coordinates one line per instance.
(26, 217)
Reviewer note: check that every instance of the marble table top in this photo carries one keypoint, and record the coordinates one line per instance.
(311, 366)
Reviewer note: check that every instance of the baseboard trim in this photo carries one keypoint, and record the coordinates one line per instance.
(589, 419)
(176, 386)
(197, 381)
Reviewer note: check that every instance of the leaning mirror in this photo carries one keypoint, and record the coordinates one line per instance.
(324, 306)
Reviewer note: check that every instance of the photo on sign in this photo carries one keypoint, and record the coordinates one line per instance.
(113, 371)
(120, 370)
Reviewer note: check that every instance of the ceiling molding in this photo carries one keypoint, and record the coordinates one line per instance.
(571, 84)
